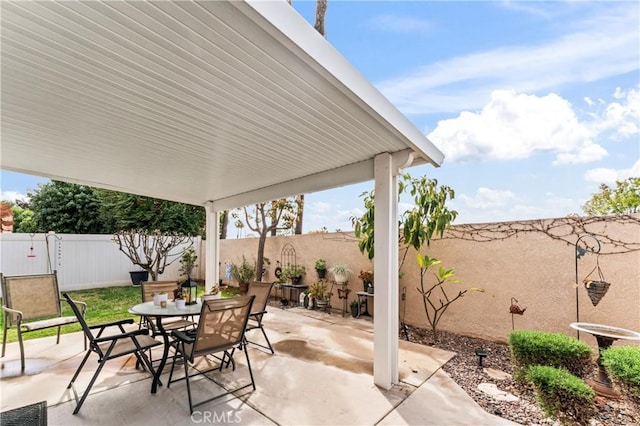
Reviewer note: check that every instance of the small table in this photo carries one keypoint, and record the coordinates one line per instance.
(363, 295)
(148, 309)
(293, 287)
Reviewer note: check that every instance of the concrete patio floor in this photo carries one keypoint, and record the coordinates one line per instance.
(321, 374)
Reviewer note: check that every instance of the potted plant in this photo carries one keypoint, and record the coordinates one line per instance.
(188, 262)
(243, 272)
(341, 272)
(320, 292)
(152, 251)
(294, 273)
(354, 308)
(367, 280)
(321, 268)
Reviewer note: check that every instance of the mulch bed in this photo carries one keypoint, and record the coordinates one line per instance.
(465, 370)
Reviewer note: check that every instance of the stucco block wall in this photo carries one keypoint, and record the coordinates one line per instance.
(538, 271)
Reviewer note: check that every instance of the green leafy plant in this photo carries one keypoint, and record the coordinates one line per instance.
(244, 271)
(188, 261)
(623, 366)
(354, 304)
(294, 271)
(435, 310)
(320, 264)
(530, 347)
(340, 268)
(561, 394)
(319, 291)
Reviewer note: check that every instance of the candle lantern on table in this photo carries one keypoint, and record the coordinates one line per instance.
(189, 291)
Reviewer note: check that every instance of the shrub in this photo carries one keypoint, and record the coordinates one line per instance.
(552, 349)
(623, 366)
(561, 394)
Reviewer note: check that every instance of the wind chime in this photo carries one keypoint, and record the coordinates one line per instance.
(31, 254)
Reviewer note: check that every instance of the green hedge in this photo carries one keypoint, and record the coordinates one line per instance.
(561, 394)
(623, 366)
(552, 349)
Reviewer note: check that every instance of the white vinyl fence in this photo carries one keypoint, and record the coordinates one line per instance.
(82, 261)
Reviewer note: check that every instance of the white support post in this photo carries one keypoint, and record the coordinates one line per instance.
(386, 323)
(213, 246)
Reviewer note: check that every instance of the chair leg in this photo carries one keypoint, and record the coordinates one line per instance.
(186, 377)
(267, 339)
(21, 347)
(246, 354)
(75, 375)
(86, 392)
(4, 335)
(58, 339)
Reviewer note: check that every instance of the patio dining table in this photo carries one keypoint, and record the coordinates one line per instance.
(149, 309)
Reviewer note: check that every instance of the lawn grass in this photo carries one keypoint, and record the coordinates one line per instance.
(103, 305)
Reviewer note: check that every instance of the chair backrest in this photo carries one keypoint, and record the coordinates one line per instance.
(78, 314)
(148, 288)
(261, 291)
(222, 324)
(36, 296)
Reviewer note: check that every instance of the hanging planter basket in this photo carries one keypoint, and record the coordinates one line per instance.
(596, 287)
(596, 290)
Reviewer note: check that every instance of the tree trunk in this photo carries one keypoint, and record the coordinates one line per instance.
(224, 226)
(298, 229)
(321, 11)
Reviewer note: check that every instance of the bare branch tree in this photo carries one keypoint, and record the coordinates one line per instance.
(152, 251)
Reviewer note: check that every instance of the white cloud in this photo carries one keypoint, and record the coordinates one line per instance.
(486, 198)
(491, 205)
(514, 126)
(399, 24)
(319, 207)
(610, 176)
(12, 196)
(605, 45)
(619, 119)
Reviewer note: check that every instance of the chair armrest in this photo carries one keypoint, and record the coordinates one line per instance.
(113, 323)
(184, 336)
(128, 335)
(13, 311)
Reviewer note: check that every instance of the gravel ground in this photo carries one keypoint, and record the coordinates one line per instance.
(466, 372)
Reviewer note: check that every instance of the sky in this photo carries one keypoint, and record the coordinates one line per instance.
(534, 104)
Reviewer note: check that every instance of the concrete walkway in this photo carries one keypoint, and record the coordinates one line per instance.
(321, 374)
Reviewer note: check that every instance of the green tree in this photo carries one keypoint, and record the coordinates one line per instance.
(266, 217)
(430, 215)
(65, 208)
(23, 220)
(623, 199)
(121, 211)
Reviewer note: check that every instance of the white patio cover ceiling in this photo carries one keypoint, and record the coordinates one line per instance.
(237, 102)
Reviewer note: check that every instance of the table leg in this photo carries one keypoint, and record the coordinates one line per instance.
(165, 355)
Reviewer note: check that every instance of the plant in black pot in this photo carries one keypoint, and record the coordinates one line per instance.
(367, 280)
(294, 273)
(243, 272)
(354, 308)
(321, 268)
